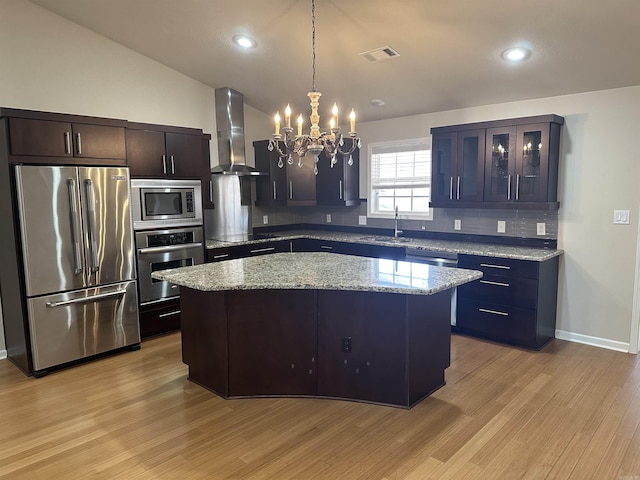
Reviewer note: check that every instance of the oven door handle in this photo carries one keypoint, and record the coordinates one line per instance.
(169, 248)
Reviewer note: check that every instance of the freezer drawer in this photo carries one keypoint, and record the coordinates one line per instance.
(74, 325)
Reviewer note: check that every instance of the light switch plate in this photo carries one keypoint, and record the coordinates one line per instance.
(457, 224)
(541, 228)
(328, 218)
(265, 219)
(502, 226)
(621, 217)
(362, 219)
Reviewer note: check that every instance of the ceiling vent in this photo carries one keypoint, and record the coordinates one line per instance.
(378, 54)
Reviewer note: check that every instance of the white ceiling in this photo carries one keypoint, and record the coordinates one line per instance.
(449, 49)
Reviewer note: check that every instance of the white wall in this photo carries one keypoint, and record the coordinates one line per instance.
(599, 172)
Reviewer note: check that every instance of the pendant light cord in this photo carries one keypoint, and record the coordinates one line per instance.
(313, 42)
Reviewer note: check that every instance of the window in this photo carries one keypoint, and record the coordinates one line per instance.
(400, 176)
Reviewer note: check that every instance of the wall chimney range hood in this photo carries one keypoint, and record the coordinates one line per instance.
(229, 107)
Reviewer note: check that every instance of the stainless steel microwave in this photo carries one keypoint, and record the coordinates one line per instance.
(164, 203)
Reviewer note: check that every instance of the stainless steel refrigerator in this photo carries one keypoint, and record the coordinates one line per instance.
(78, 258)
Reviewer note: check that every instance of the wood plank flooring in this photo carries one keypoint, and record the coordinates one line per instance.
(568, 412)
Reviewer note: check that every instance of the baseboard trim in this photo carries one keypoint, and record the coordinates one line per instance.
(3, 354)
(593, 341)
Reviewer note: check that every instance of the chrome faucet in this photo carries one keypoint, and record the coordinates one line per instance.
(396, 232)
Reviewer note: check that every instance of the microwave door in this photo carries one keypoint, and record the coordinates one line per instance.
(108, 237)
(51, 228)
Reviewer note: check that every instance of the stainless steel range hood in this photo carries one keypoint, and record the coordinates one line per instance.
(229, 109)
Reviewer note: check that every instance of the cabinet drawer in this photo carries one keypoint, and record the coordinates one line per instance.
(217, 254)
(497, 322)
(503, 290)
(159, 318)
(499, 266)
(263, 248)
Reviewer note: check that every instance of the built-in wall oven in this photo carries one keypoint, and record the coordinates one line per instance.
(161, 250)
(168, 226)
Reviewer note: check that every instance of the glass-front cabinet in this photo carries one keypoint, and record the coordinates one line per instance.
(509, 163)
(517, 164)
(458, 166)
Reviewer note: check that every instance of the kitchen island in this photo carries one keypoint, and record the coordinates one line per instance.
(318, 325)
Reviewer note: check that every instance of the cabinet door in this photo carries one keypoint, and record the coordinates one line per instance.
(340, 184)
(184, 155)
(469, 170)
(444, 154)
(146, 153)
(40, 138)
(272, 337)
(500, 164)
(271, 189)
(301, 181)
(207, 186)
(532, 163)
(98, 141)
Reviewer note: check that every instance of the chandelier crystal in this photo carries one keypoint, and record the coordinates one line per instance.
(315, 142)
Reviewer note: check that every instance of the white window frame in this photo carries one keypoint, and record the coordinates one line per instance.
(401, 145)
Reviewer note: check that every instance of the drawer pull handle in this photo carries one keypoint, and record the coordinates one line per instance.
(499, 284)
(495, 312)
(169, 314)
(489, 265)
(260, 250)
(223, 255)
(326, 247)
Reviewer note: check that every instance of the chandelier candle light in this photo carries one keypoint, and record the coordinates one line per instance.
(316, 142)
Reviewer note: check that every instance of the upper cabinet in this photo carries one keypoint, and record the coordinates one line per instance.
(458, 166)
(154, 152)
(293, 184)
(339, 184)
(501, 164)
(43, 136)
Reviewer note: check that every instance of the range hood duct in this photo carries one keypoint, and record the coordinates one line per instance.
(229, 109)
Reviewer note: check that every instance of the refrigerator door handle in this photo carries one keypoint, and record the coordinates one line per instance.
(91, 219)
(75, 231)
(93, 298)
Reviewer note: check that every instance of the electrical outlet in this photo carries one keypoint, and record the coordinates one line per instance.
(362, 219)
(502, 226)
(621, 217)
(541, 228)
(457, 224)
(328, 218)
(265, 219)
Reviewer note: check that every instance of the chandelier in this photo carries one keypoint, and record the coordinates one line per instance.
(315, 142)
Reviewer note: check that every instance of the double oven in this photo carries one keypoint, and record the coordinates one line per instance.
(168, 226)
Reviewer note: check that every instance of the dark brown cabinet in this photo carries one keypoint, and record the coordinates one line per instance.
(159, 318)
(296, 183)
(458, 166)
(271, 189)
(514, 302)
(272, 343)
(499, 164)
(339, 184)
(156, 153)
(74, 141)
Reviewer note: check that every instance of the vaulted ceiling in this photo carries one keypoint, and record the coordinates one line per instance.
(449, 51)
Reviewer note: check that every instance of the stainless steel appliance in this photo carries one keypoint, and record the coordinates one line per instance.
(161, 250)
(164, 203)
(230, 220)
(439, 259)
(79, 270)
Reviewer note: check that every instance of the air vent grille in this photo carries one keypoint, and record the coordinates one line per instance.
(379, 54)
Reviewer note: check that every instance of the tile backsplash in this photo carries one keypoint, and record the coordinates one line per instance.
(518, 223)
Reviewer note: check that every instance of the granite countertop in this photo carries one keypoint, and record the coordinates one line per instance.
(447, 246)
(318, 271)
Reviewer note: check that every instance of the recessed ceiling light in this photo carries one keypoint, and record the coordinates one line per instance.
(516, 54)
(376, 102)
(244, 41)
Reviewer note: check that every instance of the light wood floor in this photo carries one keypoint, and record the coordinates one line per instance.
(568, 412)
